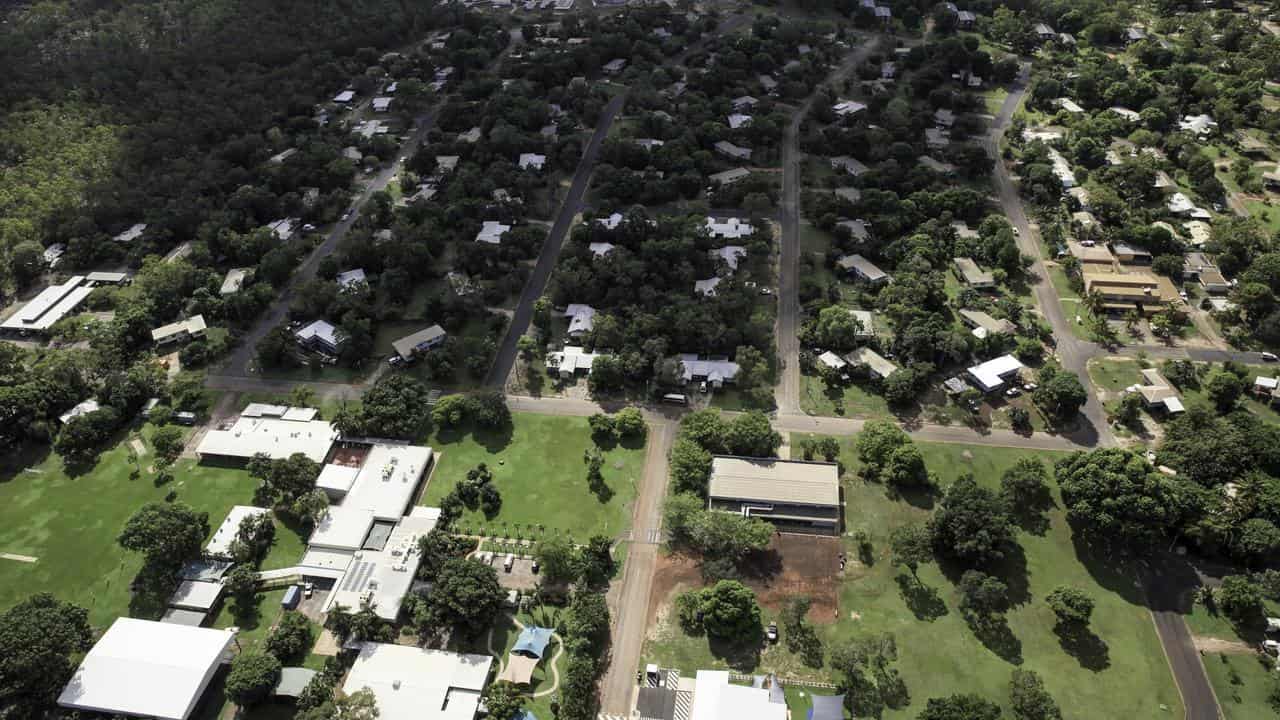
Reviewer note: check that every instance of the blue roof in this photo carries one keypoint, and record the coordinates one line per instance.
(533, 641)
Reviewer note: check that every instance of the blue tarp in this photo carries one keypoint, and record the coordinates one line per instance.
(533, 641)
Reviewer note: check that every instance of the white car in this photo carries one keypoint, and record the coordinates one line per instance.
(1269, 357)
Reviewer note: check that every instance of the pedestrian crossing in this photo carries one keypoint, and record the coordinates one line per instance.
(649, 536)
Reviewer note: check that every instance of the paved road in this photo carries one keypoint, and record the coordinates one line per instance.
(787, 393)
(630, 615)
(1074, 354)
(1167, 599)
(505, 359)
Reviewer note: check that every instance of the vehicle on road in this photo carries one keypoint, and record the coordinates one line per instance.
(675, 399)
(1269, 357)
(1016, 231)
(346, 215)
(395, 361)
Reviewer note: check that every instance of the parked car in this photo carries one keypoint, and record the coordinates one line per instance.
(1013, 392)
(1269, 357)
(772, 632)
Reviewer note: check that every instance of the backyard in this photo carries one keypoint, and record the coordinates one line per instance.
(1121, 673)
(539, 470)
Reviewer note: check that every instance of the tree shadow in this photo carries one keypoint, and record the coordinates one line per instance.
(740, 653)
(993, 632)
(1033, 517)
(922, 600)
(1084, 645)
(761, 566)
(17, 460)
(923, 497)
(1116, 572)
(603, 492)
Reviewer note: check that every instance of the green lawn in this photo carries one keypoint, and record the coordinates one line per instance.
(1114, 374)
(1122, 673)
(540, 472)
(70, 524)
(994, 100)
(855, 400)
(1242, 684)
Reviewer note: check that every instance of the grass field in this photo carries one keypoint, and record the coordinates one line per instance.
(540, 472)
(1122, 673)
(1242, 685)
(855, 401)
(70, 524)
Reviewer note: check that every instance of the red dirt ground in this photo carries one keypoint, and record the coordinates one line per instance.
(793, 565)
(350, 456)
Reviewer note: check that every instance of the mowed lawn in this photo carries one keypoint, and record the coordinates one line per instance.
(938, 654)
(70, 524)
(539, 471)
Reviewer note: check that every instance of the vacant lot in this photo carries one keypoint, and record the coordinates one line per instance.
(538, 467)
(1122, 672)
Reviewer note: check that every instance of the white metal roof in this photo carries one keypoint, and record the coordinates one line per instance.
(337, 479)
(424, 338)
(148, 669)
(990, 374)
(532, 160)
(133, 233)
(582, 318)
(412, 683)
(342, 527)
(729, 228)
(706, 287)
(350, 277)
(234, 280)
(387, 480)
(81, 408)
(380, 579)
(714, 698)
(276, 437)
(51, 305)
(491, 232)
(196, 595)
(189, 326)
(321, 330)
(219, 544)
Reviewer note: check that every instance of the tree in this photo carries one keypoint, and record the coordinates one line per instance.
(1028, 698)
(557, 559)
(690, 466)
(728, 610)
(291, 639)
(39, 637)
(1116, 499)
(876, 444)
(252, 678)
(1059, 394)
(241, 583)
(489, 409)
(1240, 599)
(798, 633)
(439, 547)
(1072, 606)
(906, 468)
(168, 441)
(503, 699)
(397, 406)
(960, 707)
(595, 561)
(254, 538)
(972, 525)
(1256, 540)
(911, 545)
(283, 480)
(466, 596)
(982, 595)
(1025, 485)
(167, 534)
(84, 435)
(867, 678)
(828, 448)
(728, 535)
(837, 329)
(586, 621)
(751, 435)
(1223, 389)
(451, 411)
(629, 423)
(680, 516)
(359, 705)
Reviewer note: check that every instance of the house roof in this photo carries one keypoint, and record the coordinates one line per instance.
(411, 683)
(51, 305)
(196, 595)
(351, 277)
(276, 437)
(582, 318)
(775, 481)
(729, 228)
(82, 408)
(321, 330)
(714, 369)
(981, 321)
(491, 232)
(426, 336)
(706, 287)
(147, 668)
(728, 177)
(879, 365)
(990, 374)
(738, 120)
(714, 698)
(219, 545)
(972, 273)
(862, 266)
(234, 280)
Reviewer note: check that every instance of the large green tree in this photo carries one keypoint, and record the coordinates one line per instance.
(39, 637)
(466, 597)
(971, 525)
(1116, 499)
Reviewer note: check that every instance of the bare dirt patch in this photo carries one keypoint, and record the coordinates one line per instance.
(793, 565)
(1224, 647)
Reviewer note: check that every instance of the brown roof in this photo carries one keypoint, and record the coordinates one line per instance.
(775, 481)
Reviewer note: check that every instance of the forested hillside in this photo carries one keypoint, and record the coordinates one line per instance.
(123, 112)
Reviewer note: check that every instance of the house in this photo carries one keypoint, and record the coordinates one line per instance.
(731, 151)
(831, 360)
(532, 161)
(84, 407)
(857, 229)
(993, 374)
(412, 683)
(965, 20)
(1124, 291)
(963, 231)
(1134, 34)
(730, 255)
(1082, 197)
(409, 346)
(319, 335)
(145, 668)
(275, 430)
(715, 371)
(446, 163)
(615, 66)
(942, 168)
(729, 228)
(352, 153)
(582, 319)
(283, 229)
(971, 274)
(1131, 254)
(849, 194)
(344, 97)
(491, 232)
(1126, 113)
(1198, 124)
(1197, 266)
(570, 361)
(768, 84)
(884, 14)
(280, 157)
(936, 139)
(942, 117)
(132, 233)
(1091, 253)
(649, 143)
(1043, 134)
(794, 496)
(1068, 105)
(192, 327)
(1044, 33)
(51, 305)
(847, 108)
(1156, 392)
(729, 177)
(471, 136)
(875, 364)
(351, 278)
(53, 254)
(1180, 204)
(848, 164)
(984, 325)
(746, 102)
(706, 288)
(382, 104)
(866, 323)
(600, 249)
(862, 269)
(1062, 169)
(738, 120)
